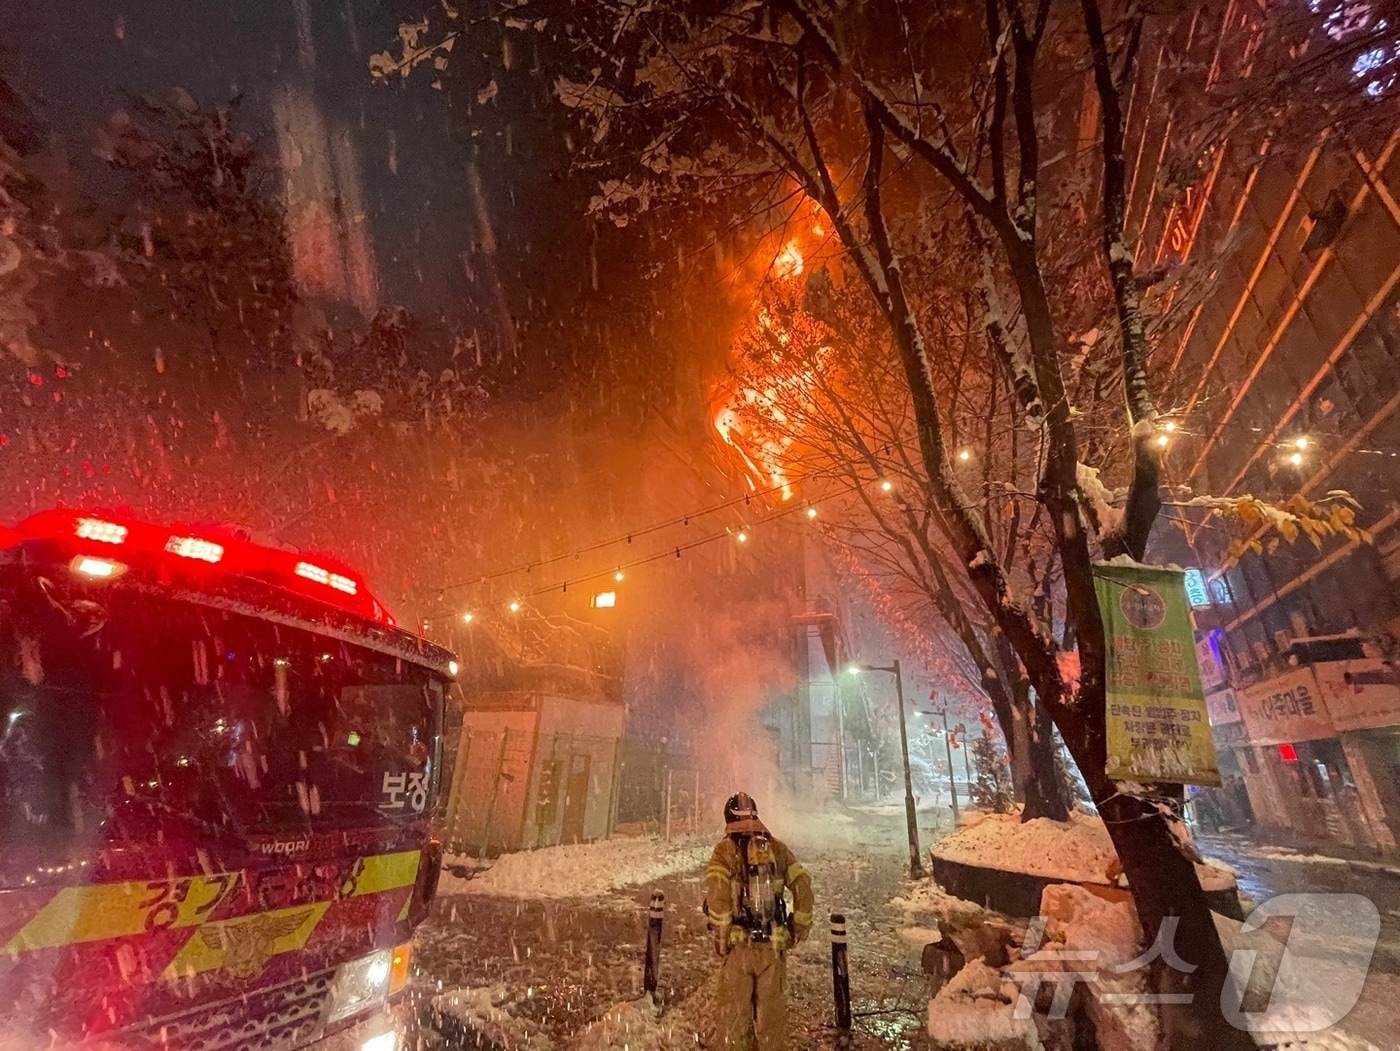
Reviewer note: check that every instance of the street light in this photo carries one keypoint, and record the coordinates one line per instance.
(952, 778)
(911, 816)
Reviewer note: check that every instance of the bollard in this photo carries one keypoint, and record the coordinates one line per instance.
(653, 961)
(841, 978)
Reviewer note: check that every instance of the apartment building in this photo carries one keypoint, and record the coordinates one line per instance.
(1287, 381)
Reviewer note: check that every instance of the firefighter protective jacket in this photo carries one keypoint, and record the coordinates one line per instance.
(726, 870)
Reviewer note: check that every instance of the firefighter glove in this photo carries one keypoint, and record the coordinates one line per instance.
(799, 933)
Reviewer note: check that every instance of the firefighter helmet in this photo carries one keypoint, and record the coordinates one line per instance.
(740, 807)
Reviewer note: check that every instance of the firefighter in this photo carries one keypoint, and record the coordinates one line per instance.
(744, 899)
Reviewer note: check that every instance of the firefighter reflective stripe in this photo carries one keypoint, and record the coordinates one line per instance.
(717, 871)
(116, 910)
(795, 872)
(802, 919)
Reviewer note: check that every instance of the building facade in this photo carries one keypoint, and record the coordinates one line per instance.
(1288, 376)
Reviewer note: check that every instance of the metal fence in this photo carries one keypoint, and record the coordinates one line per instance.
(517, 789)
(659, 790)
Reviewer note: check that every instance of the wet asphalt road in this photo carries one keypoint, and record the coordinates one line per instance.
(1264, 872)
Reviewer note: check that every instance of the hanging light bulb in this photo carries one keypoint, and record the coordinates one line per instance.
(1302, 443)
(514, 607)
(743, 537)
(467, 618)
(618, 576)
(964, 455)
(887, 485)
(1163, 440)
(811, 512)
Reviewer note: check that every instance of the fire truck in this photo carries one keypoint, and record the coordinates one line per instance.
(218, 765)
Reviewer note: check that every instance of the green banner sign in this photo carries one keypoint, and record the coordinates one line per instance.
(1157, 725)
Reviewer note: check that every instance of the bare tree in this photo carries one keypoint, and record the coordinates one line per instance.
(815, 393)
(886, 119)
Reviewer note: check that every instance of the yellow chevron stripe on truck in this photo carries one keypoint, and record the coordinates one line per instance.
(388, 872)
(115, 910)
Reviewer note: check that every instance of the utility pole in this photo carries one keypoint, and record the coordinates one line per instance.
(911, 814)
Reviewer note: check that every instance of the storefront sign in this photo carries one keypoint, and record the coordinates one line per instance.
(1359, 695)
(1222, 707)
(1209, 661)
(1229, 735)
(1156, 712)
(1196, 592)
(1288, 708)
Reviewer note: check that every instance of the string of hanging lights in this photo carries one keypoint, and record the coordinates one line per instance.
(741, 535)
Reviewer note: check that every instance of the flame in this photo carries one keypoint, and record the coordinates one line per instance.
(762, 456)
(789, 262)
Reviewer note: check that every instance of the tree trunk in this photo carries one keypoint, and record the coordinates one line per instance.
(1046, 797)
(1165, 888)
(1035, 743)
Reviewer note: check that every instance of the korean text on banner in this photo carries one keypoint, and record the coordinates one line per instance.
(1156, 710)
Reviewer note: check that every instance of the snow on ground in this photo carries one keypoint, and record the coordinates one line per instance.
(488, 1013)
(1078, 850)
(484, 1012)
(1289, 854)
(573, 964)
(636, 1025)
(581, 870)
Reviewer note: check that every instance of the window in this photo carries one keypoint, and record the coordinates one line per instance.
(152, 720)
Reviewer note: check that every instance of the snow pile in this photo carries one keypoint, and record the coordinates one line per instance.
(929, 899)
(976, 1009)
(1077, 919)
(1093, 936)
(918, 937)
(1330, 1041)
(482, 1012)
(635, 1025)
(1078, 850)
(580, 870)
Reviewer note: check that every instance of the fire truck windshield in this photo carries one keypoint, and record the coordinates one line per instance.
(127, 718)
